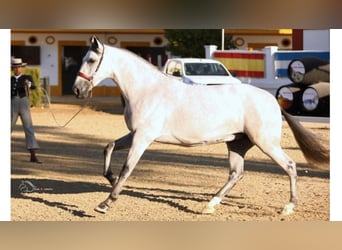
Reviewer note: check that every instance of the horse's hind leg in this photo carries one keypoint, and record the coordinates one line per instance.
(283, 160)
(237, 150)
(121, 143)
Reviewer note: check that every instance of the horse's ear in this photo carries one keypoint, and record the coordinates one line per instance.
(93, 39)
(95, 44)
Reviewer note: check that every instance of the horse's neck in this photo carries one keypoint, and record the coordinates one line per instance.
(133, 74)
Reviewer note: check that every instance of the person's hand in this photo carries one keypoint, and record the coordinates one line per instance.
(28, 83)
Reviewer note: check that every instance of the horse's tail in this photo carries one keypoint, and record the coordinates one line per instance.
(314, 152)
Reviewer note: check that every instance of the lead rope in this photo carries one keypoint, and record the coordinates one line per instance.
(53, 115)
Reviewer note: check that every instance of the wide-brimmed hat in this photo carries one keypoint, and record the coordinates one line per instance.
(17, 62)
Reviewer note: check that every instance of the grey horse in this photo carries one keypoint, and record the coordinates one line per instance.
(165, 110)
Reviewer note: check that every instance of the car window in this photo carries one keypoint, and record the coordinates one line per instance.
(174, 69)
(170, 68)
(192, 69)
(178, 68)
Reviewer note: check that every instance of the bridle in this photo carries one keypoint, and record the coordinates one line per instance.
(88, 77)
(85, 76)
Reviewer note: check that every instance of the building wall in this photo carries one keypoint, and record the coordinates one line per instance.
(51, 43)
(258, 39)
(316, 39)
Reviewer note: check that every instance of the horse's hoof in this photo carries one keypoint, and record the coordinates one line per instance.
(208, 210)
(102, 208)
(288, 209)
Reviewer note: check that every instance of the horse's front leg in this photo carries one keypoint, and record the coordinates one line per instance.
(139, 145)
(119, 144)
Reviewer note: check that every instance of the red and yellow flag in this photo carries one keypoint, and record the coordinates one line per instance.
(243, 64)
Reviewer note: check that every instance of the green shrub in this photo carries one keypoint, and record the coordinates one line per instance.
(35, 94)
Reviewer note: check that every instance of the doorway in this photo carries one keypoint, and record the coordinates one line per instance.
(72, 56)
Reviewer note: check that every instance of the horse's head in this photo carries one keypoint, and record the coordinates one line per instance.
(85, 79)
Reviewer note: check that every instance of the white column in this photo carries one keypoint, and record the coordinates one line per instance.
(209, 50)
(269, 62)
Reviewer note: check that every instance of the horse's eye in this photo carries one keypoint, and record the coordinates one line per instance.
(90, 60)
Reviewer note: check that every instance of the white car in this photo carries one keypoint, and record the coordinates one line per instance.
(199, 71)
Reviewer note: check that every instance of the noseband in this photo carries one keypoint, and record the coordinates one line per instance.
(88, 77)
(85, 76)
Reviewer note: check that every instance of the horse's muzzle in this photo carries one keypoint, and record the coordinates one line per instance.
(77, 92)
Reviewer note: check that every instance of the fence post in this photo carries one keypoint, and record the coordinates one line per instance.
(269, 62)
(209, 50)
(46, 89)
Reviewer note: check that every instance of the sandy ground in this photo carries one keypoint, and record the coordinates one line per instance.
(170, 183)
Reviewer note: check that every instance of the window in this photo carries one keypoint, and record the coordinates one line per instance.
(174, 69)
(170, 68)
(205, 69)
(178, 68)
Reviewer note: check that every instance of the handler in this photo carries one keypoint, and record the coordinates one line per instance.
(20, 85)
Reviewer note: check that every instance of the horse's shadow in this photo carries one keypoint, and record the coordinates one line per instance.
(164, 196)
(55, 187)
(167, 196)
